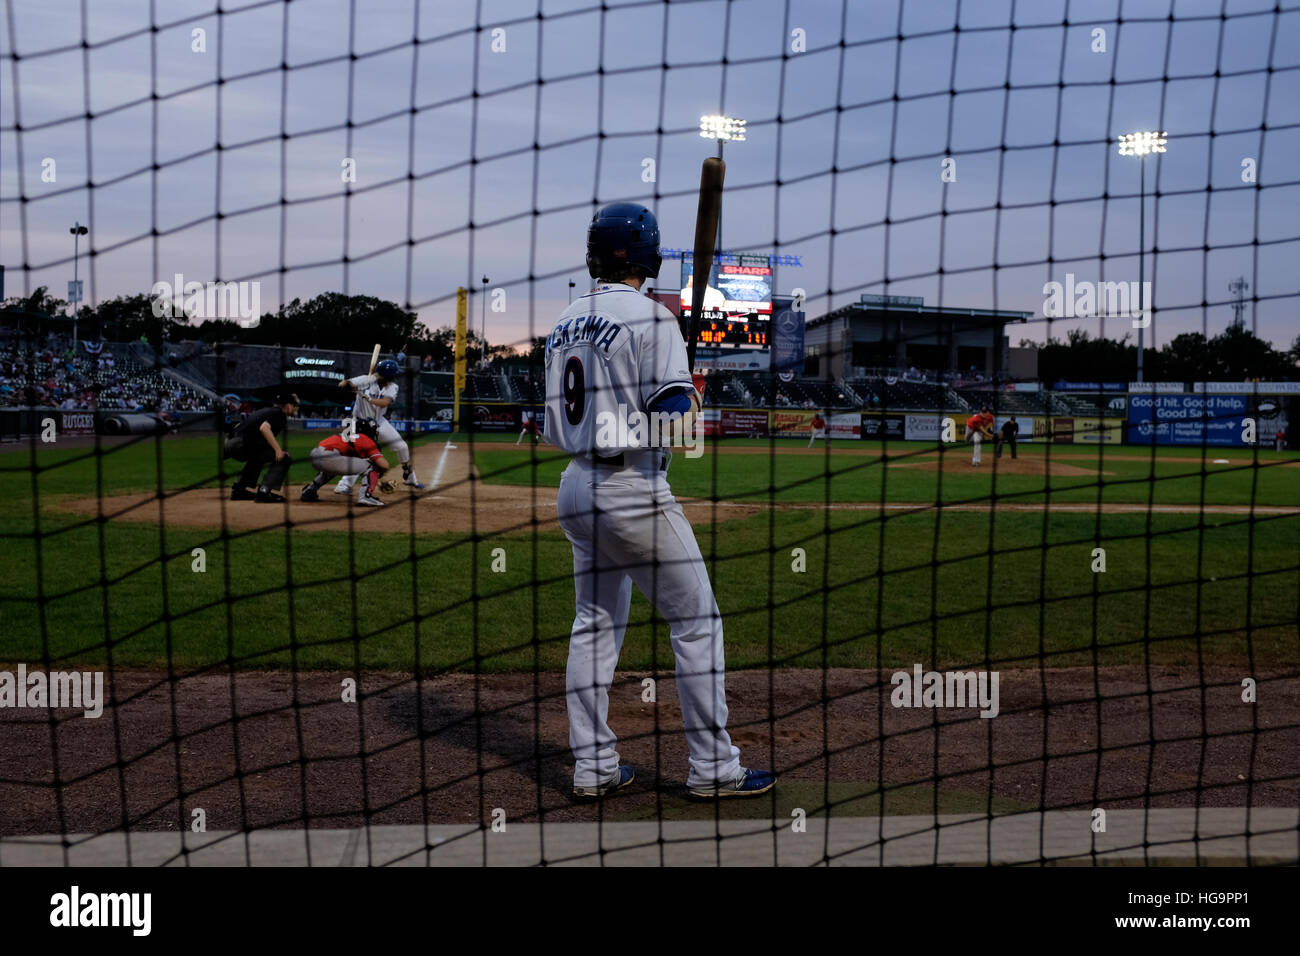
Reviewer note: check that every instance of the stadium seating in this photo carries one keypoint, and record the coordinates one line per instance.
(528, 390)
(1064, 403)
(50, 373)
(1004, 402)
(911, 396)
(483, 387)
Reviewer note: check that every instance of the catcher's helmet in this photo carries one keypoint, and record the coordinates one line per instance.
(366, 426)
(387, 370)
(623, 239)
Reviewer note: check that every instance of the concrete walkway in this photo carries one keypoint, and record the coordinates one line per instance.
(1132, 837)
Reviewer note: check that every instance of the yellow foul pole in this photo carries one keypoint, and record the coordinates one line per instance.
(462, 309)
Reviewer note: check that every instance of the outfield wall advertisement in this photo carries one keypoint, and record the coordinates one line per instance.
(1066, 430)
(922, 427)
(790, 424)
(1185, 419)
(844, 425)
(1162, 418)
(735, 422)
(402, 425)
(876, 426)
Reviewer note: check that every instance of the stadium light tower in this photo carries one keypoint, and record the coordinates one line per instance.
(1142, 144)
(482, 359)
(724, 129)
(77, 230)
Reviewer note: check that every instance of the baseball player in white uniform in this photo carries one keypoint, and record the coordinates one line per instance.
(615, 355)
(375, 393)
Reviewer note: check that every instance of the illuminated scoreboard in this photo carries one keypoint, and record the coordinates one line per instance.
(723, 332)
(737, 302)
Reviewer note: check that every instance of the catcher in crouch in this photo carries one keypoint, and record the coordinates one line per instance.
(337, 455)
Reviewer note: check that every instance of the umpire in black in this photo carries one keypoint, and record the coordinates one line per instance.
(254, 443)
(1007, 436)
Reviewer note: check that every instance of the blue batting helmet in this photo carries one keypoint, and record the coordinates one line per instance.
(623, 239)
(387, 369)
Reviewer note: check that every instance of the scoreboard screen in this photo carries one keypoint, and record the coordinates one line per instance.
(737, 303)
(724, 332)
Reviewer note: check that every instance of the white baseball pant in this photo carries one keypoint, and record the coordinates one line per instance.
(389, 437)
(976, 438)
(626, 527)
(332, 462)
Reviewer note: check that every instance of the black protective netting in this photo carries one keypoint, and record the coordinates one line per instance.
(1080, 644)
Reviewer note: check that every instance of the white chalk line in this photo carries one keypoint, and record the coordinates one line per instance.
(442, 464)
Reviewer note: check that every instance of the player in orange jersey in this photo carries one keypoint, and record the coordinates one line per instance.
(978, 427)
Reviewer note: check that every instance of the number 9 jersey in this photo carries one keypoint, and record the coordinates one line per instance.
(612, 354)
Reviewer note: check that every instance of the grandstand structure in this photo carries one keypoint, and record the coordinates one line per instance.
(901, 332)
(53, 373)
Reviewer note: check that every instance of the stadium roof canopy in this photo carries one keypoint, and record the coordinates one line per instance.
(901, 331)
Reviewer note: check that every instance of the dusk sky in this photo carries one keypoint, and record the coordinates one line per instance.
(825, 123)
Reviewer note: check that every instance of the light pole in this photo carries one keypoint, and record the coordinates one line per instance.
(77, 230)
(1140, 144)
(722, 128)
(482, 362)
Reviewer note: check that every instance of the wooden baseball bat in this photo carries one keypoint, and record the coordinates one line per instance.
(709, 211)
(374, 359)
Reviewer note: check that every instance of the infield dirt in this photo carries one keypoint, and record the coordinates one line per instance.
(459, 502)
(269, 749)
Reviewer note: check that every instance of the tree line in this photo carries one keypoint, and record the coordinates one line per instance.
(1235, 354)
(330, 320)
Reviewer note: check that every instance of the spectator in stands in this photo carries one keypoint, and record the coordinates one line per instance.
(1007, 436)
(426, 364)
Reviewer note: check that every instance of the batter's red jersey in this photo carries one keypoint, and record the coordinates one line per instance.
(361, 447)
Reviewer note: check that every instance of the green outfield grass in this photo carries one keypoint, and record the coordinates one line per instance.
(915, 587)
(1120, 475)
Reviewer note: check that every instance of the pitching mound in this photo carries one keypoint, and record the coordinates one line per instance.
(958, 463)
